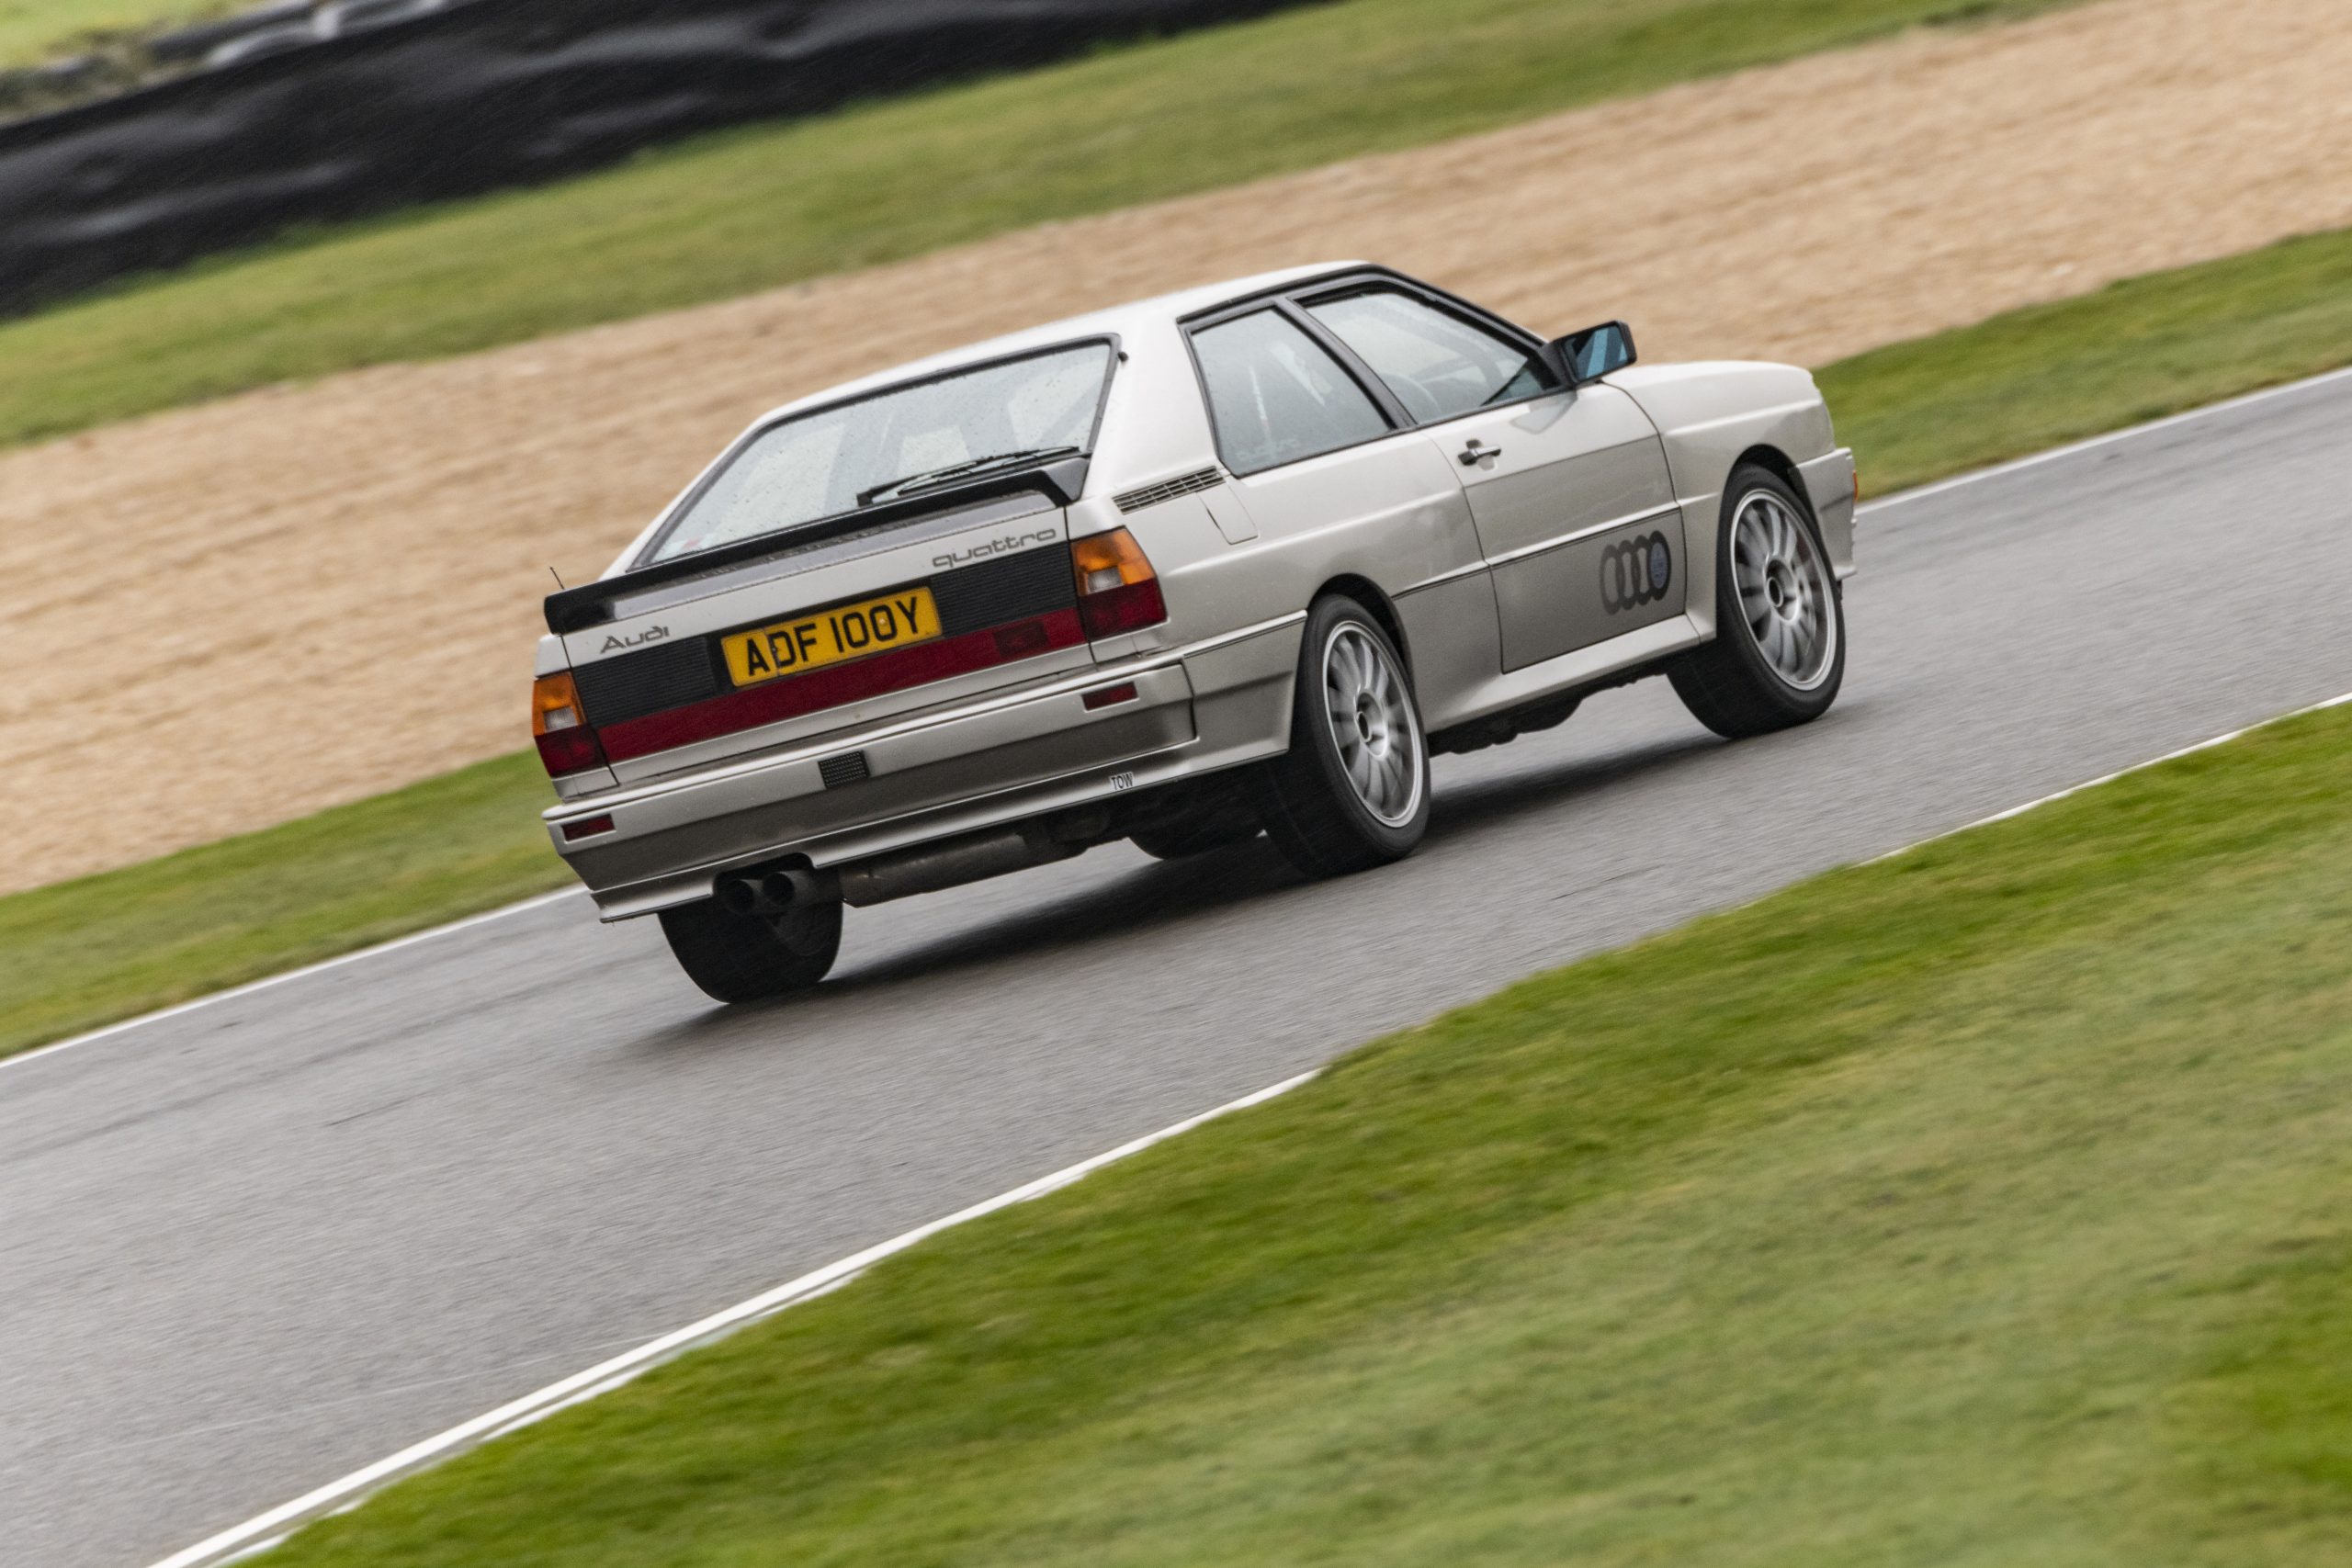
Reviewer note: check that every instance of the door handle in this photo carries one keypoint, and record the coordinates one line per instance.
(1476, 452)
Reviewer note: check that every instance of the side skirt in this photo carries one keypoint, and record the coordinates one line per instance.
(1544, 713)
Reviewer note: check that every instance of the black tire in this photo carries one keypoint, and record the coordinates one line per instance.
(746, 958)
(1315, 811)
(1750, 682)
(1190, 836)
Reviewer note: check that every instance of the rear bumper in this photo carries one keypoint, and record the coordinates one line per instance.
(1219, 703)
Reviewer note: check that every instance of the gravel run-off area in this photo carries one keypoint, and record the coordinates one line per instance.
(228, 616)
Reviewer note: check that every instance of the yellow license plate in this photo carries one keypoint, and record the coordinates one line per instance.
(827, 637)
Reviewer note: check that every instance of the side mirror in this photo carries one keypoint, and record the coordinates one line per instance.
(1592, 354)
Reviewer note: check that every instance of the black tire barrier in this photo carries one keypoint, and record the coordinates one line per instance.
(482, 95)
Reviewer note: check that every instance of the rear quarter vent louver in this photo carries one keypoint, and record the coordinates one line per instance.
(1167, 489)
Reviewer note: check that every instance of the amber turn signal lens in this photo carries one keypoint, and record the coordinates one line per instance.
(1109, 560)
(554, 704)
(1117, 590)
(559, 725)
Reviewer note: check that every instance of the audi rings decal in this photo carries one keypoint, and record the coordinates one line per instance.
(1638, 572)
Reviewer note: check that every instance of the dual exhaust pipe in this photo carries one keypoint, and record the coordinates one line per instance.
(775, 891)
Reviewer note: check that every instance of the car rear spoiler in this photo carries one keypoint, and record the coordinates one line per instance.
(590, 604)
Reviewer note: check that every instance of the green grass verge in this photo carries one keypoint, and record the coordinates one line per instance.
(34, 30)
(765, 206)
(2133, 351)
(87, 953)
(1983, 1206)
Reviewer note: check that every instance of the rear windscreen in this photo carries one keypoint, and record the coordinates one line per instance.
(895, 443)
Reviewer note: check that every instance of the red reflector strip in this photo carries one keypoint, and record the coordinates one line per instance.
(774, 701)
(587, 827)
(1021, 639)
(1104, 696)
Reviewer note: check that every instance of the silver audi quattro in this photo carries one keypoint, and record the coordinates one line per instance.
(1234, 561)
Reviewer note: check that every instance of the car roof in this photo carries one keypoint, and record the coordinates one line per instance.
(1127, 320)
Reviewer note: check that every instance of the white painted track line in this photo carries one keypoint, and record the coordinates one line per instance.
(260, 1533)
(266, 981)
(2129, 432)
(2054, 795)
(264, 1531)
(1868, 508)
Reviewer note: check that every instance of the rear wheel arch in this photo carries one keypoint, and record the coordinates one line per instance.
(1368, 593)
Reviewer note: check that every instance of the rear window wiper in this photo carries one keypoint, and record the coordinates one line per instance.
(928, 476)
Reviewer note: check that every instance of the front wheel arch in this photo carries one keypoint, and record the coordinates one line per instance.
(1777, 463)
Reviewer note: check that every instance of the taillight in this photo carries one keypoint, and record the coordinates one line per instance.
(1117, 590)
(561, 726)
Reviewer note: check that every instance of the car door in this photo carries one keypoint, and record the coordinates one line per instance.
(1337, 483)
(1568, 487)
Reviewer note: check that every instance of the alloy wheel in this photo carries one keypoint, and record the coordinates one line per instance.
(1372, 723)
(1784, 592)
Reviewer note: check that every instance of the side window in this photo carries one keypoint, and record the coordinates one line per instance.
(1276, 394)
(1438, 364)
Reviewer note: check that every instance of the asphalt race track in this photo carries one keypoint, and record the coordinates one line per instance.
(248, 1248)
